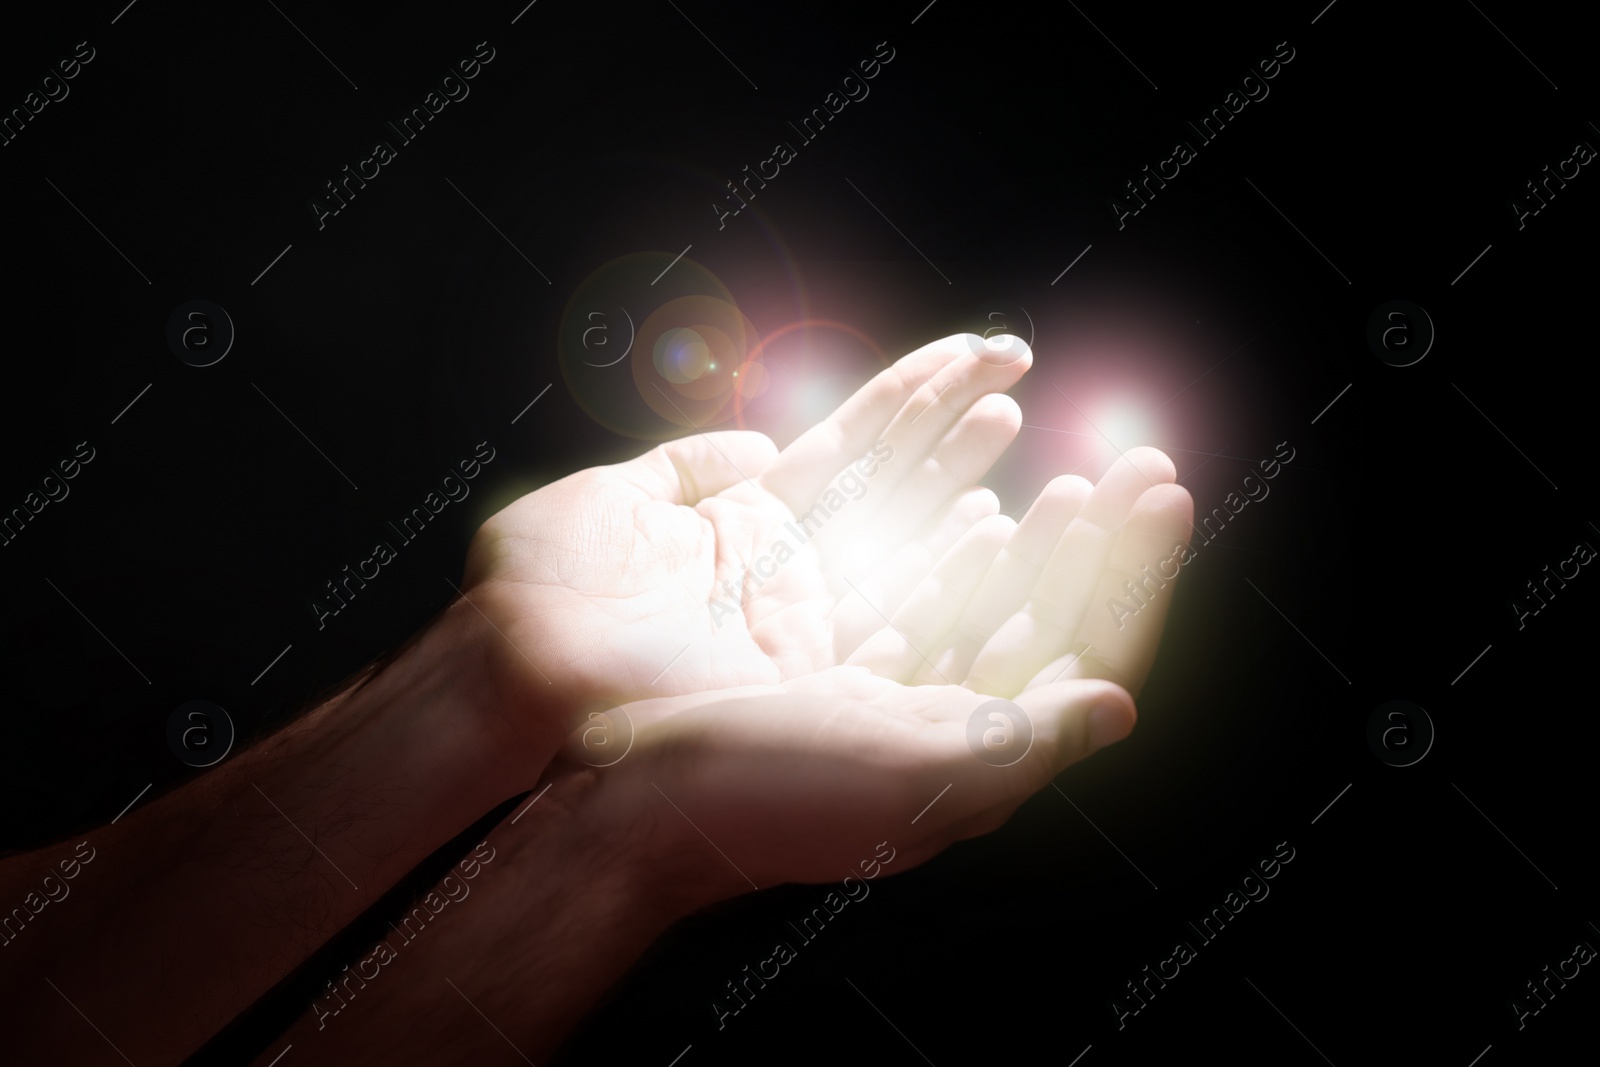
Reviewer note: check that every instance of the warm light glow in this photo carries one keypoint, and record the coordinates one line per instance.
(1124, 425)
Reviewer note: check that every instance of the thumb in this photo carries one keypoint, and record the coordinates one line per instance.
(1073, 719)
(1014, 748)
(690, 469)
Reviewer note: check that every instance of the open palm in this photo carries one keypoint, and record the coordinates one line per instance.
(663, 575)
(756, 786)
(1003, 662)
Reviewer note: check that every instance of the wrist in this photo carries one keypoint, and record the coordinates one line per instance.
(526, 704)
(562, 903)
(663, 862)
(230, 882)
(440, 693)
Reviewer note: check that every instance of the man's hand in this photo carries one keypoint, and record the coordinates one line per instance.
(1075, 590)
(755, 787)
(629, 583)
(802, 765)
(722, 793)
(788, 783)
(665, 575)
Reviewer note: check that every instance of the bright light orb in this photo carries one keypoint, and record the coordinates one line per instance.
(1125, 426)
(815, 398)
(855, 555)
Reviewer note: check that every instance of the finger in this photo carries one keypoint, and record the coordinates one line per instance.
(854, 621)
(1046, 520)
(934, 606)
(1015, 571)
(1128, 610)
(812, 460)
(1074, 719)
(690, 469)
(958, 461)
(934, 410)
(1045, 731)
(1046, 624)
(908, 641)
(940, 533)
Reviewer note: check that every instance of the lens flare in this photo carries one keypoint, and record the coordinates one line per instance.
(696, 344)
(752, 379)
(797, 374)
(650, 345)
(682, 356)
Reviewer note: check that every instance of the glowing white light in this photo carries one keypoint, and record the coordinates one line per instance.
(855, 555)
(815, 398)
(1125, 426)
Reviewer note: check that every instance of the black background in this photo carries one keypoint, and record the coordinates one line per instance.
(408, 329)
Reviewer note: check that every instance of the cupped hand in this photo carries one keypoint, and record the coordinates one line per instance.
(716, 561)
(798, 782)
(1016, 653)
(1079, 588)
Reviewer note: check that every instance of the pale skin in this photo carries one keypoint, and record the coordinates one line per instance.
(796, 781)
(605, 582)
(794, 734)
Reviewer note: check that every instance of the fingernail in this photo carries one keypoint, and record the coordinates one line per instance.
(1108, 724)
(1003, 349)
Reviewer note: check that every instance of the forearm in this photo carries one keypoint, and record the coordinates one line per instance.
(571, 899)
(198, 902)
